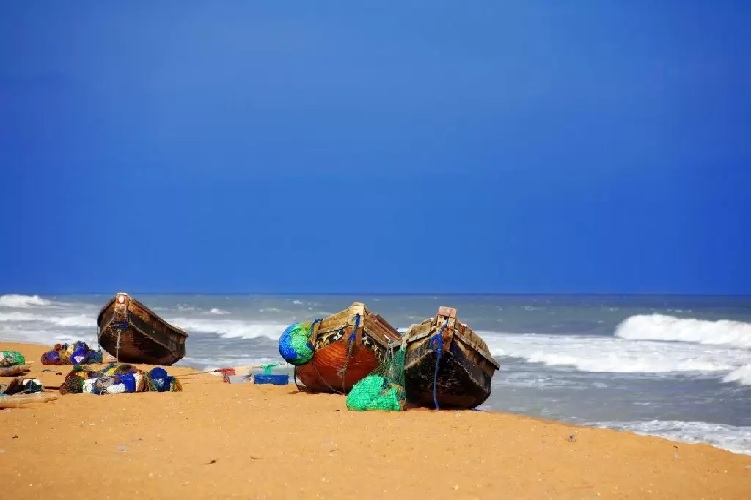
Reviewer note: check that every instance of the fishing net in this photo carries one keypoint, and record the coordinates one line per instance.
(11, 358)
(77, 353)
(294, 343)
(382, 389)
(115, 379)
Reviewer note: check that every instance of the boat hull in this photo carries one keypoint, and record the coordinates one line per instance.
(344, 355)
(465, 366)
(329, 370)
(132, 333)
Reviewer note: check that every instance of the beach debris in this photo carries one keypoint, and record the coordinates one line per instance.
(23, 385)
(212, 461)
(115, 379)
(245, 373)
(14, 371)
(77, 353)
(269, 377)
(226, 374)
(572, 438)
(11, 358)
(22, 399)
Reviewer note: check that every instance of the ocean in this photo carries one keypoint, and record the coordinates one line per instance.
(672, 366)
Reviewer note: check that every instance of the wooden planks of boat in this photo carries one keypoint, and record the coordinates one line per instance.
(465, 365)
(348, 346)
(133, 333)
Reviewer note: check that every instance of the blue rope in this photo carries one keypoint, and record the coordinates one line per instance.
(123, 325)
(313, 329)
(313, 325)
(436, 342)
(354, 331)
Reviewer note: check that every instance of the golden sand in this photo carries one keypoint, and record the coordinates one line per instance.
(217, 440)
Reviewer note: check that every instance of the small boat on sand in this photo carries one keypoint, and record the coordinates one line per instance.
(465, 365)
(347, 347)
(133, 333)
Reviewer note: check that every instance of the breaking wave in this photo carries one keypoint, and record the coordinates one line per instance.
(655, 343)
(613, 355)
(742, 375)
(22, 301)
(230, 329)
(75, 321)
(700, 331)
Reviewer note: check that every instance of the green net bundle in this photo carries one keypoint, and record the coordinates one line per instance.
(294, 343)
(383, 389)
(11, 358)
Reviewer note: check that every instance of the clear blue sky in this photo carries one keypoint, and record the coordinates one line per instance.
(366, 146)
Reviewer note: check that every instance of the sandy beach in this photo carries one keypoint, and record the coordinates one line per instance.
(218, 440)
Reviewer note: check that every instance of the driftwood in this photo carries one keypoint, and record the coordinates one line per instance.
(14, 371)
(465, 366)
(21, 400)
(133, 333)
(343, 354)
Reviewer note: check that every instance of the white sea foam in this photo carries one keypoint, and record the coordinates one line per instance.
(655, 344)
(616, 355)
(742, 375)
(670, 328)
(230, 328)
(728, 437)
(23, 301)
(216, 310)
(75, 320)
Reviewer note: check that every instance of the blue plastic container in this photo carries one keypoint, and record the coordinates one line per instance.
(274, 379)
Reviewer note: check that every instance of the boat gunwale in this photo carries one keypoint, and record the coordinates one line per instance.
(372, 324)
(176, 329)
(461, 332)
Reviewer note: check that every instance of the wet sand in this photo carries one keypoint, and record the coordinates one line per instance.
(217, 440)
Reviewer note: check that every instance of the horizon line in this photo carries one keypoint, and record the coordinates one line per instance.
(416, 294)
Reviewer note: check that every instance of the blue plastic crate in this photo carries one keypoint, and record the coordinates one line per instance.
(275, 379)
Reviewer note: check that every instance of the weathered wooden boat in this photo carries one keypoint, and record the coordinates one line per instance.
(133, 333)
(348, 346)
(465, 364)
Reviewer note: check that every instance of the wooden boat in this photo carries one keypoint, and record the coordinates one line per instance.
(465, 365)
(348, 346)
(133, 333)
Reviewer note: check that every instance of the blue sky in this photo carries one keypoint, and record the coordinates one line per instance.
(535, 147)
